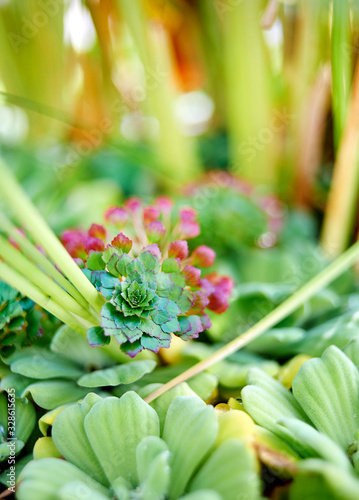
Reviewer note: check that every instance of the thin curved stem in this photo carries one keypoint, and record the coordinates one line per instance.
(329, 274)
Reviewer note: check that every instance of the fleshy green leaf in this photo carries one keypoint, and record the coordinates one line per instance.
(124, 423)
(96, 337)
(189, 425)
(70, 438)
(122, 374)
(152, 467)
(53, 393)
(327, 389)
(45, 364)
(232, 467)
(43, 479)
(267, 401)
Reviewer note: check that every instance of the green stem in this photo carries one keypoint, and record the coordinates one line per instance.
(307, 291)
(20, 263)
(341, 65)
(28, 215)
(36, 256)
(14, 279)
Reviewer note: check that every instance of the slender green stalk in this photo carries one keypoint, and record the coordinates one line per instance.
(342, 200)
(28, 215)
(287, 307)
(21, 264)
(176, 151)
(341, 65)
(36, 256)
(16, 280)
(248, 94)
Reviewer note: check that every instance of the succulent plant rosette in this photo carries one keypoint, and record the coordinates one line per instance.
(152, 286)
(226, 203)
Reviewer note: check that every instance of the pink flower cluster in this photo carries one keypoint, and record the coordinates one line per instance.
(163, 231)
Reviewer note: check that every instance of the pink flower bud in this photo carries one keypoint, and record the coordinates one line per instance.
(189, 230)
(203, 256)
(155, 231)
(154, 250)
(97, 231)
(150, 214)
(74, 241)
(164, 203)
(178, 249)
(218, 300)
(187, 214)
(122, 242)
(192, 274)
(133, 204)
(95, 244)
(116, 216)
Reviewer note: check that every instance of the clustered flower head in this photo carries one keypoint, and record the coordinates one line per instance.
(152, 284)
(231, 202)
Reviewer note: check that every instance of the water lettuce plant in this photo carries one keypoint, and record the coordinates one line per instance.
(124, 449)
(319, 419)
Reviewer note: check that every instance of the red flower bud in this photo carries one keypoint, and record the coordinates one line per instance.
(203, 256)
(92, 243)
(218, 300)
(150, 214)
(192, 274)
(97, 231)
(178, 249)
(122, 242)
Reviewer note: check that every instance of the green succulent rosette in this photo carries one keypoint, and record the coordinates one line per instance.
(19, 320)
(144, 304)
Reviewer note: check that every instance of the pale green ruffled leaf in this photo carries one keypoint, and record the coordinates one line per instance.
(352, 351)
(124, 423)
(230, 468)
(43, 480)
(203, 384)
(190, 430)
(45, 364)
(327, 389)
(121, 374)
(320, 444)
(53, 393)
(70, 438)
(72, 345)
(319, 479)
(162, 403)
(153, 468)
(17, 382)
(202, 495)
(267, 401)
(79, 490)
